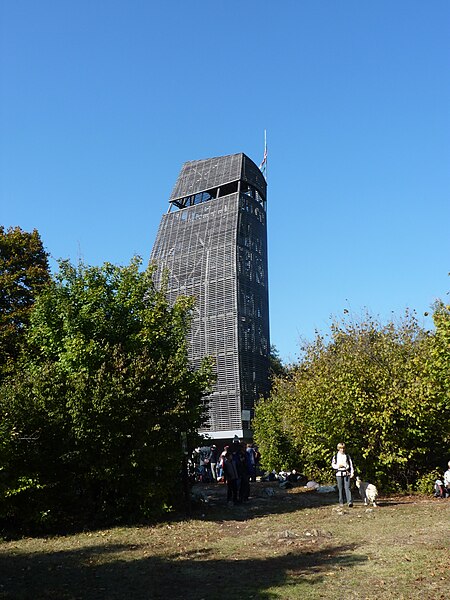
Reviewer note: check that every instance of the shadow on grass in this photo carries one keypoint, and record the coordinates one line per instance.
(215, 509)
(121, 571)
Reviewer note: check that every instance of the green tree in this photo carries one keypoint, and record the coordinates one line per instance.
(368, 385)
(95, 410)
(439, 372)
(271, 429)
(24, 272)
(276, 365)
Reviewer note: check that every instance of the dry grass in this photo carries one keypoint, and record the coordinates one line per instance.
(296, 544)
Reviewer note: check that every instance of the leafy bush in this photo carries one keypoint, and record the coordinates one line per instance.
(425, 484)
(382, 389)
(95, 408)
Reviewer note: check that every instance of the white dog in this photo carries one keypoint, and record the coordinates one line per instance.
(367, 491)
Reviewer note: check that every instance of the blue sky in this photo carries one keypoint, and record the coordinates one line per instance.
(102, 101)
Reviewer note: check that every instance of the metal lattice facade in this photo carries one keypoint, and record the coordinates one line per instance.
(213, 241)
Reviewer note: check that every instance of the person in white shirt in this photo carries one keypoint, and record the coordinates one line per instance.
(343, 465)
(447, 479)
(442, 488)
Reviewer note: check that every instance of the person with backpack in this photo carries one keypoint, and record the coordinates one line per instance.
(343, 465)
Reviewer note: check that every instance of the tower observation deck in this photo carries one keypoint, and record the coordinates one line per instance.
(213, 242)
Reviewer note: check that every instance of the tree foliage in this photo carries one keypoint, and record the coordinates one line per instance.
(24, 272)
(439, 367)
(92, 415)
(276, 365)
(370, 385)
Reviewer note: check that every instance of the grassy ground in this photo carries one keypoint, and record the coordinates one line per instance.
(295, 544)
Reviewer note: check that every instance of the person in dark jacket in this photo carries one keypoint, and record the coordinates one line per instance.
(243, 476)
(213, 456)
(231, 477)
(251, 461)
(204, 462)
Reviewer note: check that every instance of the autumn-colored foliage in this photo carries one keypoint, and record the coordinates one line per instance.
(383, 389)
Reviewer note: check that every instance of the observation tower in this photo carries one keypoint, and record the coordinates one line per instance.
(213, 242)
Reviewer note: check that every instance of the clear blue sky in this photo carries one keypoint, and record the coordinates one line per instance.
(102, 101)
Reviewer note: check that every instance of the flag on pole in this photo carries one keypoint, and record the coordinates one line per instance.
(263, 165)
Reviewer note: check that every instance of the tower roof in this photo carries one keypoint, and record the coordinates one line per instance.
(201, 175)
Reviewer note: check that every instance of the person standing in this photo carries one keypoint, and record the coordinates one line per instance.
(220, 475)
(243, 477)
(204, 468)
(447, 480)
(231, 477)
(343, 465)
(213, 461)
(251, 461)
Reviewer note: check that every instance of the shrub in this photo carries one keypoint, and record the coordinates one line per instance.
(425, 484)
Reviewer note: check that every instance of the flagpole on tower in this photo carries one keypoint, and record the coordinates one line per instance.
(263, 165)
(265, 149)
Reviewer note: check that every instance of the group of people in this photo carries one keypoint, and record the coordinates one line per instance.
(236, 466)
